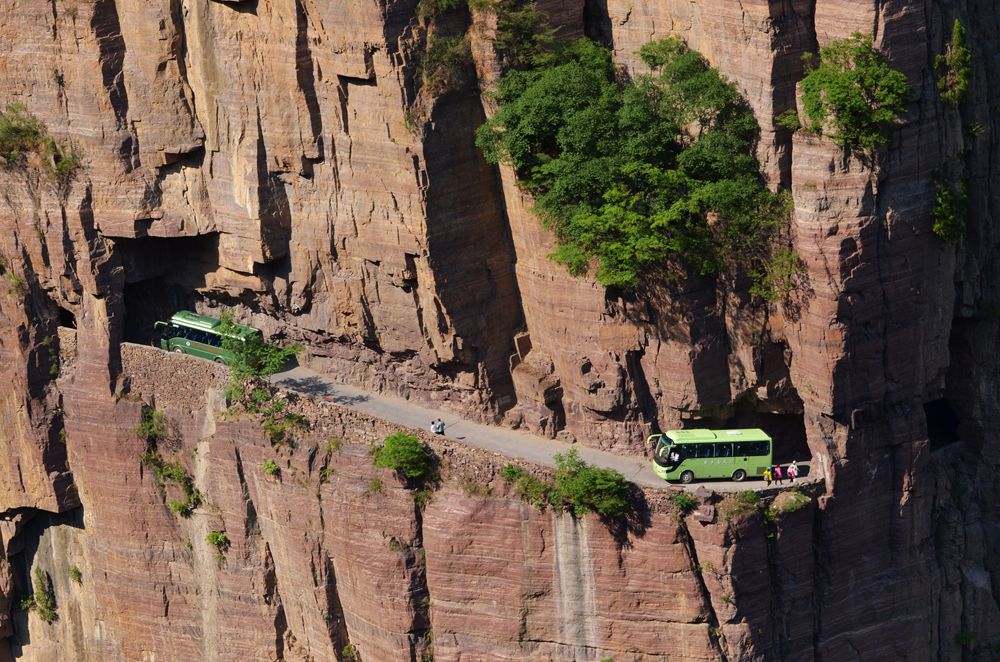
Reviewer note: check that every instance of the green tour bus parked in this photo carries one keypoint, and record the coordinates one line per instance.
(685, 455)
(198, 335)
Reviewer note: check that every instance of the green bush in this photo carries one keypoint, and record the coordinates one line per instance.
(855, 92)
(374, 487)
(152, 426)
(531, 490)
(252, 356)
(43, 601)
(792, 501)
(15, 283)
(428, 8)
(789, 120)
(447, 63)
(219, 540)
(270, 467)
(779, 277)
(76, 575)
(684, 502)
(176, 473)
(349, 653)
(407, 456)
(956, 63)
(524, 38)
(627, 174)
(25, 144)
(738, 505)
(951, 210)
(584, 488)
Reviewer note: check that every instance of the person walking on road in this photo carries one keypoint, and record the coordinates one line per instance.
(793, 471)
(437, 427)
(767, 476)
(777, 474)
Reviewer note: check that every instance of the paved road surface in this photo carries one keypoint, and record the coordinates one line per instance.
(513, 443)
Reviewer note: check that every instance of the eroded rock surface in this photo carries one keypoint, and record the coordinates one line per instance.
(284, 159)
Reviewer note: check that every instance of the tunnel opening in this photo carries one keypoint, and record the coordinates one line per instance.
(67, 318)
(163, 276)
(784, 423)
(942, 423)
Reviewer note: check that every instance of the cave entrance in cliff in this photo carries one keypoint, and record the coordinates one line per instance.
(67, 318)
(162, 276)
(787, 429)
(942, 423)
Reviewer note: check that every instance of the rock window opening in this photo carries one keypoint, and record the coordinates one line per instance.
(942, 423)
(67, 318)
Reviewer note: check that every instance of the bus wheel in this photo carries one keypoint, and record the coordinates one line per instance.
(739, 475)
(687, 476)
(178, 350)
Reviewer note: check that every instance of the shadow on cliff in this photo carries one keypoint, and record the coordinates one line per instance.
(632, 524)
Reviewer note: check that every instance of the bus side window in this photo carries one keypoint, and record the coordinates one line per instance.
(705, 450)
(741, 448)
(760, 448)
(723, 449)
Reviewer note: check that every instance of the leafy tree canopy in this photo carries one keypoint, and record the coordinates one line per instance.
(854, 94)
(631, 174)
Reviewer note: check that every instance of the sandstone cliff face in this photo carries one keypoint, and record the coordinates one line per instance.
(285, 159)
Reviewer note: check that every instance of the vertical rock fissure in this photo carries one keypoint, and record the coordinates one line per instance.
(715, 635)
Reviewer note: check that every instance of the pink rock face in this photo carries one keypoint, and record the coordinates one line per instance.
(286, 160)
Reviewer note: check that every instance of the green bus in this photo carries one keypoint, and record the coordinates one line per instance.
(685, 455)
(199, 335)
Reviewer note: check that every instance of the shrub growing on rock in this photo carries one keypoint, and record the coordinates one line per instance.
(956, 63)
(584, 488)
(25, 144)
(628, 174)
(951, 209)
(854, 94)
(252, 356)
(152, 426)
(43, 600)
(407, 456)
(270, 467)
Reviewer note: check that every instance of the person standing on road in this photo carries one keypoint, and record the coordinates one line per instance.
(434, 427)
(767, 476)
(777, 474)
(793, 471)
(440, 427)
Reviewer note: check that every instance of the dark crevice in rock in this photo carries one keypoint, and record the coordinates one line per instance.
(715, 633)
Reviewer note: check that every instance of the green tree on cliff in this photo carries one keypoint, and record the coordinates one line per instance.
(631, 175)
(854, 95)
(956, 63)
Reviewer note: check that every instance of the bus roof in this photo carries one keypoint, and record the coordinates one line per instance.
(191, 320)
(705, 435)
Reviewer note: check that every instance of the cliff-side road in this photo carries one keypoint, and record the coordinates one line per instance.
(512, 443)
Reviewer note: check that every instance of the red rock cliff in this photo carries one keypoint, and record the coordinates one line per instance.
(283, 158)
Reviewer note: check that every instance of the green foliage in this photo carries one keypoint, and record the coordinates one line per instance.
(779, 276)
(855, 93)
(956, 62)
(280, 427)
(951, 210)
(789, 120)
(271, 468)
(153, 425)
(15, 283)
(447, 63)
(422, 497)
(584, 488)
(524, 37)
(252, 356)
(684, 502)
(428, 8)
(219, 540)
(51, 345)
(473, 488)
(325, 473)
(627, 174)
(374, 487)
(790, 502)
(528, 488)
(175, 473)
(43, 601)
(738, 505)
(406, 455)
(964, 639)
(334, 444)
(349, 653)
(76, 575)
(25, 144)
